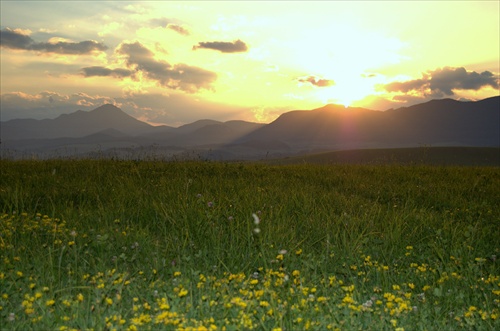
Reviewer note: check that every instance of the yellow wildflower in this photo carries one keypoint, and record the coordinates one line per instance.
(182, 293)
(264, 304)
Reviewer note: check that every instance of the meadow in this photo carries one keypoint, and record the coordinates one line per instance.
(139, 245)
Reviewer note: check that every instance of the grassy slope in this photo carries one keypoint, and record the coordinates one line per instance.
(468, 156)
(381, 229)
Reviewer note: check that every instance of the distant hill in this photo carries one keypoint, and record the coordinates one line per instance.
(439, 122)
(77, 124)
(109, 130)
(188, 128)
(443, 156)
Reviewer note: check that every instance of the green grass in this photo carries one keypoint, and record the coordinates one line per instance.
(96, 244)
(425, 155)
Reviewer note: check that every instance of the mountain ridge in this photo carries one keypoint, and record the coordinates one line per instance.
(438, 122)
(443, 122)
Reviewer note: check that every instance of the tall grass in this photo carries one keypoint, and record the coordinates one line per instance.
(346, 247)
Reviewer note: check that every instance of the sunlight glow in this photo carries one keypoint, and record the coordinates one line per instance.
(347, 59)
(298, 54)
(350, 89)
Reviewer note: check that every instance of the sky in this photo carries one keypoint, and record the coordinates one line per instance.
(173, 62)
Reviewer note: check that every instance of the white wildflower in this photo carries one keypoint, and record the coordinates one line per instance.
(256, 219)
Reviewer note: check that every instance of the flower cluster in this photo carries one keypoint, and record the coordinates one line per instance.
(291, 293)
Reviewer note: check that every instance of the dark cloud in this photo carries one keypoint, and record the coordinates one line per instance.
(179, 29)
(180, 76)
(316, 81)
(16, 40)
(444, 81)
(103, 71)
(169, 23)
(407, 86)
(140, 59)
(448, 79)
(83, 47)
(237, 46)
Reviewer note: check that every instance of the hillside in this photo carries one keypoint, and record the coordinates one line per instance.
(439, 122)
(110, 131)
(442, 156)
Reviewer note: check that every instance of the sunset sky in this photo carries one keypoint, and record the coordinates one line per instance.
(169, 62)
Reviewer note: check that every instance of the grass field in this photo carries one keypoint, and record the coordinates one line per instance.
(424, 155)
(131, 245)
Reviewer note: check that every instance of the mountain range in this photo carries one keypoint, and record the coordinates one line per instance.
(108, 131)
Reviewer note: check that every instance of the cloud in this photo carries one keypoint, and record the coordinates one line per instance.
(179, 29)
(140, 59)
(110, 28)
(169, 23)
(407, 86)
(16, 39)
(103, 72)
(316, 81)
(136, 9)
(237, 46)
(179, 76)
(163, 21)
(26, 32)
(45, 30)
(445, 81)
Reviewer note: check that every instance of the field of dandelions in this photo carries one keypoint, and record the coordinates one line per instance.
(139, 245)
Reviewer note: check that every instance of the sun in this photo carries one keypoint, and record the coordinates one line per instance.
(346, 92)
(350, 59)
